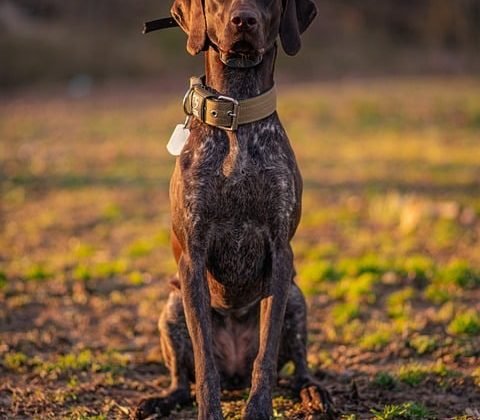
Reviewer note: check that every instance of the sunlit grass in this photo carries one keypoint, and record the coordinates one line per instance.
(465, 323)
(407, 411)
(67, 364)
(423, 343)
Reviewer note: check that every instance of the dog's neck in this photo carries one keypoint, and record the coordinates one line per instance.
(237, 82)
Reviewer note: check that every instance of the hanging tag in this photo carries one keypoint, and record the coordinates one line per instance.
(178, 139)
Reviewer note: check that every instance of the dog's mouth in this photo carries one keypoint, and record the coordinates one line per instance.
(242, 55)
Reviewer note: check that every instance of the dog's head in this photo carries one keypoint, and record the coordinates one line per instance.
(243, 30)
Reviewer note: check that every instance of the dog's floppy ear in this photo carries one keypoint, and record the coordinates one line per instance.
(296, 18)
(190, 16)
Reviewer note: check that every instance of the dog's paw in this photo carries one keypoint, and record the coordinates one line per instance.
(316, 399)
(151, 408)
(160, 407)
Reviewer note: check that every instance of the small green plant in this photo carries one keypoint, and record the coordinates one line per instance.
(83, 251)
(136, 278)
(313, 273)
(344, 312)
(37, 272)
(82, 272)
(465, 323)
(408, 411)
(3, 279)
(437, 294)
(441, 370)
(375, 340)
(384, 380)
(109, 269)
(112, 212)
(356, 289)
(15, 361)
(460, 273)
(418, 267)
(370, 263)
(109, 361)
(398, 302)
(423, 343)
(412, 374)
(140, 248)
(446, 232)
(70, 361)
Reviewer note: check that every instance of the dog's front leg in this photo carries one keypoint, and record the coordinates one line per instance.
(272, 312)
(196, 301)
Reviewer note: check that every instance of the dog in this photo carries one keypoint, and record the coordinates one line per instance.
(235, 316)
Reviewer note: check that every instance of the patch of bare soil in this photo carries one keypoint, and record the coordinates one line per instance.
(115, 326)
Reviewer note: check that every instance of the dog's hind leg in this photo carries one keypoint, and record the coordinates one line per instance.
(293, 348)
(178, 357)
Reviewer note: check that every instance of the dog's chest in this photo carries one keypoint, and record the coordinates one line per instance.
(260, 183)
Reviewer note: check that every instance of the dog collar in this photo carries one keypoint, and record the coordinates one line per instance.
(155, 25)
(223, 111)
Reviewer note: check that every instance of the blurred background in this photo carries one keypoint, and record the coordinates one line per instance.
(61, 41)
(382, 107)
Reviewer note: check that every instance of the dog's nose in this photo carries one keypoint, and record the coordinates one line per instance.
(244, 20)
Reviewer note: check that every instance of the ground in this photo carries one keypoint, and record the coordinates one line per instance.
(387, 251)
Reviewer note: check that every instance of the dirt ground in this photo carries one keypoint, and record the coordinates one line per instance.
(387, 251)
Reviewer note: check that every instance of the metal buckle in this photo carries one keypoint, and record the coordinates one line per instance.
(185, 98)
(233, 114)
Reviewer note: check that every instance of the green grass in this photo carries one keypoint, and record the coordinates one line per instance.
(3, 279)
(66, 364)
(376, 340)
(356, 289)
(140, 248)
(407, 411)
(412, 375)
(460, 273)
(14, 361)
(344, 312)
(465, 323)
(37, 272)
(384, 380)
(423, 343)
(398, 302)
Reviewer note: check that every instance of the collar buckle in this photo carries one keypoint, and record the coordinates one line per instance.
(233, 113)
(223, 111)
(186, 100)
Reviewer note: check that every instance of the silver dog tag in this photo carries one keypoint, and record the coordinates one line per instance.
(178, 139)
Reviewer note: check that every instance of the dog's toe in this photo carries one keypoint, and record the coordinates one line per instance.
(316, 399)
(152, 408)
(160, 407)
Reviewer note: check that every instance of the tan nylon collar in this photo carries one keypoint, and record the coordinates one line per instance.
(225, 112)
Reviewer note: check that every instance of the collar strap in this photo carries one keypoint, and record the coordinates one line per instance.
(155, 25)
(223, 111)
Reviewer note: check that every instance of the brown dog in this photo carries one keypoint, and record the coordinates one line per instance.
(236, 316)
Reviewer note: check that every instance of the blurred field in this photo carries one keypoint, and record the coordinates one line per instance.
(47, 42)
(387, 251)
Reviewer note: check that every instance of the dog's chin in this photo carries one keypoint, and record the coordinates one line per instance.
(241, 60)
(242, 55)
